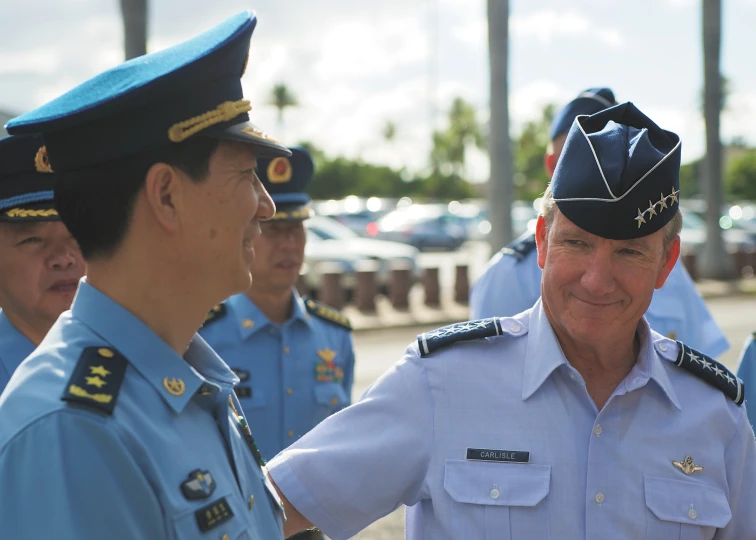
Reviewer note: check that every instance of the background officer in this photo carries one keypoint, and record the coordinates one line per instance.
(294, 356)
(40, 263)
(571, 420)
(123, 424)
(747, 373)
(511, 282)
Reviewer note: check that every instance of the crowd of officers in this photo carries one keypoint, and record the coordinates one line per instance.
(161, 376)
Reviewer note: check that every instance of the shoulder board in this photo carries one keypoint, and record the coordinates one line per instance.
(327, 313)
(215, 314)
(97, 379)
(710, 371)
(520, 248)
(464, 331)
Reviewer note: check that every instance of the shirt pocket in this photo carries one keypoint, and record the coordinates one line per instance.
(684, 510)
(502, 501)
(216, 517)
(329, 398)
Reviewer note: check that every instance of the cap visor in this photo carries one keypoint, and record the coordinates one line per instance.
(247, 132)
(40, 211)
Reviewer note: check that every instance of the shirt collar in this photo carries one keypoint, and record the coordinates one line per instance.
(14, 346)
(175, 378)
(544, 355)
(250, 319)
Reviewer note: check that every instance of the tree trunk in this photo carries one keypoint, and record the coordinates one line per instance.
(500, 183)
(134, 14)
(715, 263)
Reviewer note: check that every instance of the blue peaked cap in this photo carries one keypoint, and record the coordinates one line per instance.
(155, 100)
(589, 101)
(619, 174)
(26, 181)
(286, 179)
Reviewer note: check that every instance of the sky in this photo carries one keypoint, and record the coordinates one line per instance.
(354, 65)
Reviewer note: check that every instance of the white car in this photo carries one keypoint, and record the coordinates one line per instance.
(330, 241)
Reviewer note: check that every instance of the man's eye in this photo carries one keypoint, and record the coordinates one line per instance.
(30, 240)
(573, 242)
(628, 251)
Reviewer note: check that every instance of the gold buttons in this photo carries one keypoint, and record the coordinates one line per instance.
(289, 391)
(174, 386)
(286, 349)
(105, 353)
(291, 434)
(224, 537)
(251, 501)
(334, 401)
(248, 323)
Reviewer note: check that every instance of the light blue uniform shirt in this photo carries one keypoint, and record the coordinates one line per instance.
(591, 475)
(510, 285)
(747, 373)
(70, 471)
(14, 347)
(279, 367)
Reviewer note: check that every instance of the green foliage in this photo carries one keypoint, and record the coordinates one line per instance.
(689, 178)
(282, 98)
(530, 174)
(449, 146)
(740, 177)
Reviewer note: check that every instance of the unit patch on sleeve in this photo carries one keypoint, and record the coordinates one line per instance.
(327, 313)
(97, 379)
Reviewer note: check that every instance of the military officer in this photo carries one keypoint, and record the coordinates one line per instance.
(293, 355)
(747, 372)
(40, 263)
(512, 280)
(571, 420)
(123, 424)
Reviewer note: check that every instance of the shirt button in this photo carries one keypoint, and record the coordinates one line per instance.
(248, 323)
(573, 376)
(286, 349)
(494, 493)
(515, 328)
(597, 430)
(334, 401)
(224, 537)
(663, 347)
(290, 434)
(289, 391)
(692, 514)
(251, 501)
(599, 498)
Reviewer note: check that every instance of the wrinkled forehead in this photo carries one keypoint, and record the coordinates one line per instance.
(561, 226)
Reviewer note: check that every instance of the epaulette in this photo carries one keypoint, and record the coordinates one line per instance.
(520, 248)
(328, 313)
(711, 372)
(215, 314)
(454, 333)
(97, 379)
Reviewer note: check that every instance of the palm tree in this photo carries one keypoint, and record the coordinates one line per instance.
(282, 98)
(389, 131)
(715, 263)
(500, 183)
(134, 13)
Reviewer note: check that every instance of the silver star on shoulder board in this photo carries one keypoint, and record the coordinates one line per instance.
(718, 371)
(706, 364)
(729, 378)
(693, 357)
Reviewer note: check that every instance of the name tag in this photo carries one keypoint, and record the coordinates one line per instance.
(506, 456)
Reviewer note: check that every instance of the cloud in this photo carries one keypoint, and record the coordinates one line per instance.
(548, 25)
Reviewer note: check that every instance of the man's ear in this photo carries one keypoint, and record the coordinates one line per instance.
(163, 190)
(542, 238)
(671, 254)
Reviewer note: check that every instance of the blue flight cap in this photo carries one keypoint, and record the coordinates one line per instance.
(590, 101)
(191, 89)
(619, 174)
(26, 181)
(286, 179)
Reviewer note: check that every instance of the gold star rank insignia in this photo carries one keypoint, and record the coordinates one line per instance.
(99, 370)
(95, 381)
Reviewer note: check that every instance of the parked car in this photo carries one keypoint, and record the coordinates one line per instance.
(358, 214)
(693, 235)
(424, 226)
(327, 239)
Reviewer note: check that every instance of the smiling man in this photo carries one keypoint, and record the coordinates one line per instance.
(40, 263)
(123, 424)
(294, 356)
(571, 420)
